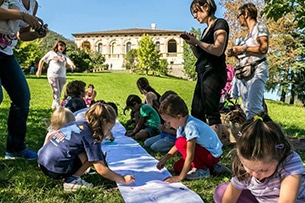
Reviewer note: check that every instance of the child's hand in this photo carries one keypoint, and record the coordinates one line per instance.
(161, 164)
(129, 133)
(173, 179)
(129, 179)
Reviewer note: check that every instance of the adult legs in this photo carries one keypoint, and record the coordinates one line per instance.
(252, 93)
(14, 82)
(206, 98)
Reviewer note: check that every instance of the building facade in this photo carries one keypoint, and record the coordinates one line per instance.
(114, 44)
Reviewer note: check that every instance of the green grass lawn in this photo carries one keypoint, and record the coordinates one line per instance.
(22, 181)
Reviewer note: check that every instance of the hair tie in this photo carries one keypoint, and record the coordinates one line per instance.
(256, 117)
(279, 146)
(239, 134)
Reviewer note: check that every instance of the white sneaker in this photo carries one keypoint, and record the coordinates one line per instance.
(196, 174)
(77, 184)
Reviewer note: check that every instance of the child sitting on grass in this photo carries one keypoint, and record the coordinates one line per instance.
(147, 119)
(198, 144)
(265, 168)
(74, 94)
(76, 147)
(60, 117)
(167, 137)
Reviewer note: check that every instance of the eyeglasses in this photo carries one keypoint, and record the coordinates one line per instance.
(239, 15)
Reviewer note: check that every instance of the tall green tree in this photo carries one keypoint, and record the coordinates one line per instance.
(189, 58)
(149, 57)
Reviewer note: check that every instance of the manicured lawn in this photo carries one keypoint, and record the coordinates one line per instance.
(22, 181)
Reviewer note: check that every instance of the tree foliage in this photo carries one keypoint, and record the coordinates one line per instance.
(189, 58)
(131, 60)
(149, 57)
(276, 9)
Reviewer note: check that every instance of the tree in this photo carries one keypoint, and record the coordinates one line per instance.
(149, 57)
(28, 52)
(96, 59)
(131, 60)
(277, 9)
(189, 58)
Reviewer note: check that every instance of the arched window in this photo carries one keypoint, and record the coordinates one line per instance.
(128, 46)
(158, 45)
(86, 45)
(172, 46)
(99, 48)
(113, 48)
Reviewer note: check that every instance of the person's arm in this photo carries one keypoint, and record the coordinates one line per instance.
(106, 172)
(231, 194)
(14, 14)
(70, 63)
(138, 127)
(220, 38)
(25, 34)
(39, 68)
(261, 48)
(169, 155)
(289, 189)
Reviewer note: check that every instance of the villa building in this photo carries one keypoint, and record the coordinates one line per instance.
(114, 44)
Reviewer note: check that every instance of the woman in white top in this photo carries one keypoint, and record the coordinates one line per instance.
(57, 60)
(253, 51)
(17, 21)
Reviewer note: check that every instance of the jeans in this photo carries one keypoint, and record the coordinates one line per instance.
(158, 144)
(13, 81)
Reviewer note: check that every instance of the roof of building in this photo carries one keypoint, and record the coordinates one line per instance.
(130, 31)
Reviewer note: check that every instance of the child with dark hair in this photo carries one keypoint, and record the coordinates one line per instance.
(75, 91)
(198, 144)
(76, 146)
(265, 169)
(147, 118)
(167, 137)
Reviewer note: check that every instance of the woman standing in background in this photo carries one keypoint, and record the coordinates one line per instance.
(57, 60)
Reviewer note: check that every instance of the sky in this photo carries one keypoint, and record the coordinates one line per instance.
(74, 16)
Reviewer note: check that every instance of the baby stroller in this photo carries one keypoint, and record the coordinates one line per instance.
(232, 115)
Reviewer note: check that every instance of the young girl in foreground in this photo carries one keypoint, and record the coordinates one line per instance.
(76, 147)
(198, 144)
(60, 117)
(265, 169)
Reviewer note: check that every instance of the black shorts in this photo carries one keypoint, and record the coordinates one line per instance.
(77, 163)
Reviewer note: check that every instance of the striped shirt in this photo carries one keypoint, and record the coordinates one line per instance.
(269, 190)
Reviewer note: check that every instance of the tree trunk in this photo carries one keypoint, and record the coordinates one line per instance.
(283, 96)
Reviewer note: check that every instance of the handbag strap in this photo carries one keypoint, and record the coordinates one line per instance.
(255, 63)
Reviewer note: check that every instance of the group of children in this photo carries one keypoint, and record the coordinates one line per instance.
(264, 166)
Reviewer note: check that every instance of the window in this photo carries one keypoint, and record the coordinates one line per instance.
(86, 45)
(99, 48)
(113, 48)
(172, 46)
(128, 47)
(158, 46)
